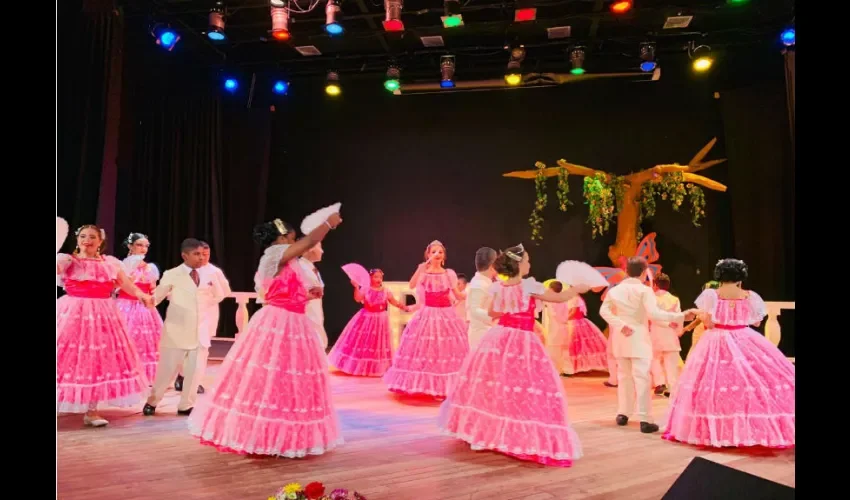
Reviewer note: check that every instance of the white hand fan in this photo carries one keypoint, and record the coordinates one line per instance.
(357, 274)
(61, 232)
(573, 272)
(318, 218)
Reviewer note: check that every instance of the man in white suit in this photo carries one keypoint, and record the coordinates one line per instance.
(315, 312)
(211, 294)
(628, 308)
(478, 295)
(184, 339)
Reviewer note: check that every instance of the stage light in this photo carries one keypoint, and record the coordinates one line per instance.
(789, 37)
(332, 87)
(701, 56)
(621, 6)
(647, 53)
(280, 87)
(216, 23)
(231, 85)
(332, 27)
(165, 37)
(577, 60)
(280, 22)
(452, 17)
(703, 63)
(393, 76)
(737, 2)
(447, 72)
(392, 22)
(513, 75)
(525, 15)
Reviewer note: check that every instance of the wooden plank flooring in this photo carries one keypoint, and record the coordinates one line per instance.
(393, 450)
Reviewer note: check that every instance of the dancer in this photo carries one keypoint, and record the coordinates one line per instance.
(289, 237)
(433, 344)
(627, 308)
(144, 324)
(665, 339)
(315, 311)
(213, 289)
(273, 395)
(365, 347)
(185, 335)
(737, 388)
(460, 304)
(478, 295)
(508, 396)
(96, 361)
(583, 346)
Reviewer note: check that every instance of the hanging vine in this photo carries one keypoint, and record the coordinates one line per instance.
(670, 187)
(540, 201)
(601, 203)
(563, 189)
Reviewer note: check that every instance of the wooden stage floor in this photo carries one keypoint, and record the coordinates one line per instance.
(393, 450)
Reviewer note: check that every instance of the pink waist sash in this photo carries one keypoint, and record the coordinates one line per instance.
(521, 321)
(144, 287)
(375, 308)
(89, 289)
(438, 299)
(729, 327)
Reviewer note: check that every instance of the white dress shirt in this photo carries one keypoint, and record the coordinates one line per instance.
(314, 310)
(477, 298)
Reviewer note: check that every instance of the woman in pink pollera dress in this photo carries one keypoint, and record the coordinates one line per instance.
(96, 361)
(365, 346)
(434, 342)
(509, 397)
(737, 388)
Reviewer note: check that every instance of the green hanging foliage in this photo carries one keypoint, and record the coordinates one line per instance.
(540, 201)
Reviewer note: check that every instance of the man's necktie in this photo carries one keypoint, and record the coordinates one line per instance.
(195, 277)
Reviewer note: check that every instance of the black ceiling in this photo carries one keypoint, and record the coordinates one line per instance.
(612, 41)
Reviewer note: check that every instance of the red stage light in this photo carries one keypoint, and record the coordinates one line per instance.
(393, 25)
(281, 35)
(621, 6)
(523, 15)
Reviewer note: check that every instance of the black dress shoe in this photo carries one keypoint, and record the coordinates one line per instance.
(187, 412)
(201, 389)
(659, 390)
(148, 410)
(622, 420)
(178, 384)
(647, 428)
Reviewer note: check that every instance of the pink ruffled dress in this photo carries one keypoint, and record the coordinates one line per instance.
(273, 394)
(365, 347)
(737, 388)
(144, 325)
(509, 397)
(583, 346)
(96, 361)
(433, 344)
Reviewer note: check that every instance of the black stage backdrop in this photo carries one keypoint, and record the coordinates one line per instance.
(193, 162)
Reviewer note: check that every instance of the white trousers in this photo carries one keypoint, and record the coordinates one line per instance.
(612, 361)
(665, 369)
(633, 376)
(194, 362)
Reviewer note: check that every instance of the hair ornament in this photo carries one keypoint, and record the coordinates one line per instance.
(280, 227)
(514, 256)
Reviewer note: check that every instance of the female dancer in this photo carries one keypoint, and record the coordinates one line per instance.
(95, 358)
(583, 346)
(509, 397)
(144, 324)
(434, 343)
(364, 347)
(273, 394)
(737, 388)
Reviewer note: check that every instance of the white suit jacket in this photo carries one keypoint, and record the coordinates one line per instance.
(633, 304)
(314, 309)
(664, 338)
(477, 297)
(188, 318)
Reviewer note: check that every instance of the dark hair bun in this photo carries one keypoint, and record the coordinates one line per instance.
(265, 234)
(134, 237)
(730, 271)
(507, 266)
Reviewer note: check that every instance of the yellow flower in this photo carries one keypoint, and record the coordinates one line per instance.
(291, 488)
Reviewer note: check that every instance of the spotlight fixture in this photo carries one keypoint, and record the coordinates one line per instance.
(280, 87)
(647, 54)
(524, 11)
(392, 22)
(165, 37)
(452, 17)
(280, 21)
(332, 27)
(231, 85)
(332, 87)
(447, 72)
(577, 60)
(701, 56)
(789, 37)
(216, 23)
(513, 75)
(621, 6)
(393, 76)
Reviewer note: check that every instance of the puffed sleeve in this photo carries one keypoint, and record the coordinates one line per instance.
(63, 261)
(533, 287)
(452, 275)
(153, 272)
(758, 309)
(707, 301)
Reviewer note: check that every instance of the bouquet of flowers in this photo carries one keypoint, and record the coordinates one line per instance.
(314, 491)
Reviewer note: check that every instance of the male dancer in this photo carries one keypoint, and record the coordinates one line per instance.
(183, 341)
(665, 339)
(210, 293)
(627, 308)
(478, 295)
(316, 288)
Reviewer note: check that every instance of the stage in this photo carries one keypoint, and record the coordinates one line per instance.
(393, 451)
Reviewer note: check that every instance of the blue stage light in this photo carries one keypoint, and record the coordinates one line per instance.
(231, 85)
(280, 87)
(648, 66)
(333, 29)
(789, 37)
